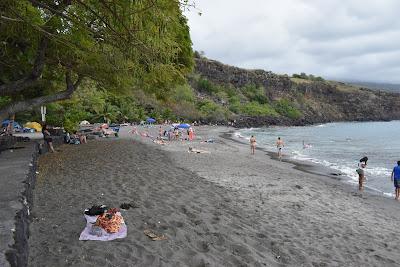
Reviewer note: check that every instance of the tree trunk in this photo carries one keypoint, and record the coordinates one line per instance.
(35, 102)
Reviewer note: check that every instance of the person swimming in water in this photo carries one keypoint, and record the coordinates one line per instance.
(306, 145)
(252, 144)
(279, 146)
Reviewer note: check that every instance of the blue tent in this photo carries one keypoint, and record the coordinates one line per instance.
(6, 122)
(151, 120)
(184, 126)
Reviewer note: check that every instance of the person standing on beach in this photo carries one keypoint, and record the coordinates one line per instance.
(396, 179)
(47, 138)
(252, 144)
(191, 134)
(361, 175)
(279, 146)
(160, 132)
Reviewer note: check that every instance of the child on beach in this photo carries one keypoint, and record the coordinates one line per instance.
(279, 146)
(396, 179)
(252, 144)
(361, 172)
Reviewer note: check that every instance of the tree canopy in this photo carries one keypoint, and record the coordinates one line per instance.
(48, 47)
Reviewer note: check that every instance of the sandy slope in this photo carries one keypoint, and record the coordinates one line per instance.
(226, 208)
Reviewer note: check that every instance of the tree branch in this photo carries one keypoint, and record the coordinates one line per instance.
(32, 78)
(73, 18)
(32, 103)
(10, 19)
(102, 19)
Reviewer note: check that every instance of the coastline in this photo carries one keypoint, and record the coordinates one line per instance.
(314, 168)
(220, 208)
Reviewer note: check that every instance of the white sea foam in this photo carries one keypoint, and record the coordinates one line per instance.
(379, 171)
(238, 135)
(338, 146)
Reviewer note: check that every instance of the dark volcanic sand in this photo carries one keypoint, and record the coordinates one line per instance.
(203, 225)
(225, 208)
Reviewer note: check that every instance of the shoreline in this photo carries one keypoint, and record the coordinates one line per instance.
(313, 168)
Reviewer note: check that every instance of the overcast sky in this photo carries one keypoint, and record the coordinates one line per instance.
(337, 39)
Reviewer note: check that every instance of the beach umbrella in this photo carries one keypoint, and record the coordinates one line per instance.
(85, 122)
(184, 126)
(34, 125)
(151, 120)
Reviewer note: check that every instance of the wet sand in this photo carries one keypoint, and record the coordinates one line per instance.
(225, 208)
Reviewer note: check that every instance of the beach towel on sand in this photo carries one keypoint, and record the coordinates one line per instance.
(91, 220)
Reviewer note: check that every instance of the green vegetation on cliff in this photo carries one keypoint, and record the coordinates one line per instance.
(258, 97)
(249, 100)
(287, 109)
(309, 77)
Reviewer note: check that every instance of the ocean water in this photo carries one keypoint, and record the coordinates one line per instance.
(340, 146)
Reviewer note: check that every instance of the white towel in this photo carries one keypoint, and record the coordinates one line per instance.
(90, 220)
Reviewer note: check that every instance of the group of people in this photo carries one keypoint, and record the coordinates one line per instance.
(170, 134)
(395, 176)
(176, 134)
(75, 139)
(279, 145)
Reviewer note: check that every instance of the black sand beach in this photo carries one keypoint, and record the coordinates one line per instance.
(226, 208)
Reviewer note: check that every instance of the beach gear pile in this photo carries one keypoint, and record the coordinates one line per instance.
(103, 224)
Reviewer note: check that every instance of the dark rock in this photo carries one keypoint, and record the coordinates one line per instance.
(319, 101)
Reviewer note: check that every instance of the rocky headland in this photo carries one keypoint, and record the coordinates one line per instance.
(316, 101)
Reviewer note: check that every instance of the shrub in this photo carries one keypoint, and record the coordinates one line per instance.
(222, 96)
(183, 93)
(234, 104)
(212, 111)
(186, 110)
(308, 77)
(254, 93)
(206, 86)
(256, 109)
(230, 91)
(285, 108)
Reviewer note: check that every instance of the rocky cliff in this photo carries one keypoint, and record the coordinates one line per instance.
(318, 101)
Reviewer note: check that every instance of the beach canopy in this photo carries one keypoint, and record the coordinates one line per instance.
(184, 126)
(150, 120)
(33, 125)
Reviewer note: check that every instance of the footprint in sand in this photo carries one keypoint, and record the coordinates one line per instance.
(203, 246)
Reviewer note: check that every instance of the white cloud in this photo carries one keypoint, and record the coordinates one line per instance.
(340, 39)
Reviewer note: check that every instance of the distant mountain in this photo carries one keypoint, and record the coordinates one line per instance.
(391, 87)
